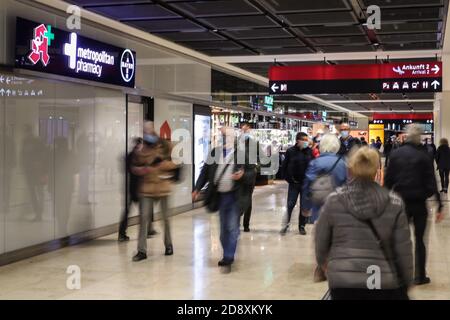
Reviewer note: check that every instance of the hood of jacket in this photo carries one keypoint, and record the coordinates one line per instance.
(365, 199)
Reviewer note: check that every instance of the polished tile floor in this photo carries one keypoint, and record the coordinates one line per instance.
(268, 266)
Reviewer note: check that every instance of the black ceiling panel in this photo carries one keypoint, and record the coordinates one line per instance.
(403, 3)
(410, 14)
(238, 52)
(320, 18)
(282, 6)
(85, 3)
(412, 46)
(330, 49)
(200, 45)
(409, 37)
(351, 40)
(273, 43)
(217, 8)
(321, 31)
(190, 36)
(240, 23)
(291, 50)
(134, 12)
(258, 33)
(414, 27)
(166, 25)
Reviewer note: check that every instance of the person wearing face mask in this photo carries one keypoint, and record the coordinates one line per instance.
(347, 141)
(154, 165)
(233, 181)
(294, 168)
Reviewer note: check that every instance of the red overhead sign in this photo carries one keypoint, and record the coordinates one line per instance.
(357, 78)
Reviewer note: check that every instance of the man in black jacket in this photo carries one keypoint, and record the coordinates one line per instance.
(250, 146)
(294, 168)
(234, 181)
(347, 141)
(410, 173)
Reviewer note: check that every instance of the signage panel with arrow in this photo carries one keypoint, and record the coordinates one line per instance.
(400, 77)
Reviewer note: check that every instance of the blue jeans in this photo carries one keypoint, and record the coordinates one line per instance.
(294, 192)
(229, 224)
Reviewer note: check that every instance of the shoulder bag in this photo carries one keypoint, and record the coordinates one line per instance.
(322, 186)
(212, 197)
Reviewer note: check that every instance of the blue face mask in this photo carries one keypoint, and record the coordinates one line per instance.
(150, 138)
(344, 134)
(304, 144)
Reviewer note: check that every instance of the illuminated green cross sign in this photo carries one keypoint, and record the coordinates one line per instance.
(50, 36)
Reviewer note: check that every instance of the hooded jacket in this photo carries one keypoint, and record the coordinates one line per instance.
(346, 245)
(156, 183)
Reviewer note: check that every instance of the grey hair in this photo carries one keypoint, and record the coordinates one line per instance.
(329, 143)
(413, 133)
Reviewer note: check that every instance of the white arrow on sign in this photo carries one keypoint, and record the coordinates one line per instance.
(436, 69)
(274, 87)
(435, 84)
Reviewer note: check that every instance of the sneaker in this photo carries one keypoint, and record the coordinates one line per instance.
(169, 251)
(123, 238)
(419, 281)
(284, 230)
(246, 229)
(225, 262)
(302, 231)
(140, 256)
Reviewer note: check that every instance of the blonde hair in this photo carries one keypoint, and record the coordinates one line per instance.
(364, 163)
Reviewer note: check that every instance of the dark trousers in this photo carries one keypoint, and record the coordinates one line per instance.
(294, 192)
(124, 221)
(444, 178)
(418, 214)
(248, 212)
(366, 294)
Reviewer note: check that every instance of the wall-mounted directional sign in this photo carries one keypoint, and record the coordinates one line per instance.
(42, 48)
(357, 78)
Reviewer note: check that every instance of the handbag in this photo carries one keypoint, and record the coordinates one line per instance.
(384, 249)
(212, 196)
(322, 186)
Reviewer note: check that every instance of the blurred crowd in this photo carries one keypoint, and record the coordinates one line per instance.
(365, 212)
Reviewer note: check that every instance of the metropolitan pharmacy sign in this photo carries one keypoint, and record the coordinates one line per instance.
(42, 48)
